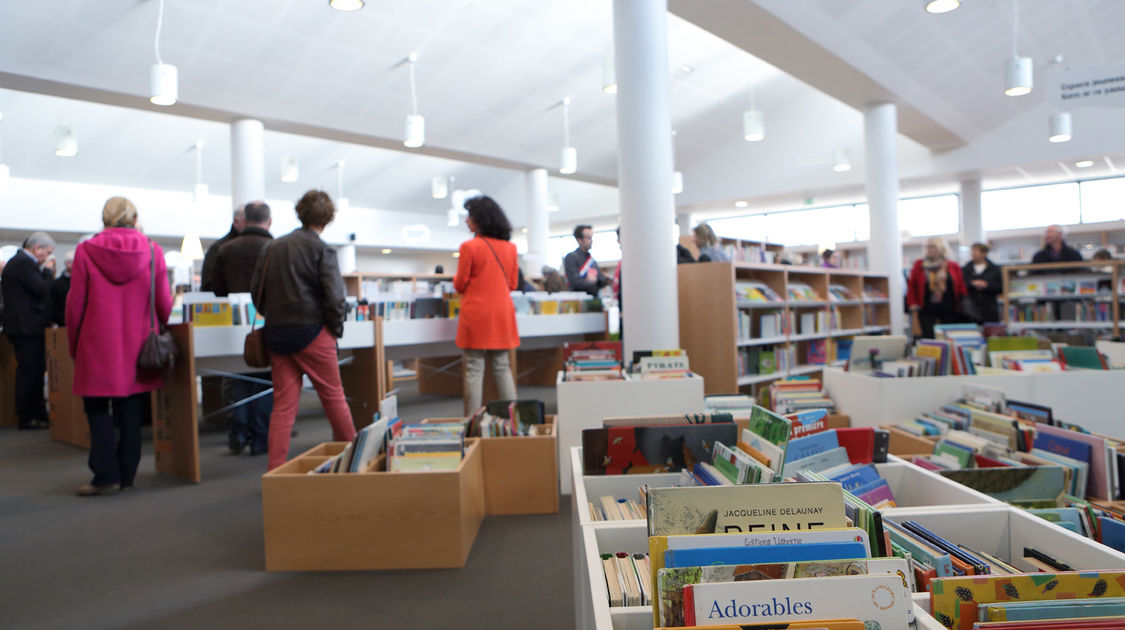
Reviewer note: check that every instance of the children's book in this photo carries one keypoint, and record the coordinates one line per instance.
(955, 601)
(752, 508)
(640, 450)
(675, 558)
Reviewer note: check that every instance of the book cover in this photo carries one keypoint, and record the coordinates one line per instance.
(877, 493)
(1113, 533)
(750, 508)
(639, 450)
(677, 558)
(819, 624)
(856, 477)
(1063, 445)
(821, 461)
(771, 426)
(954, 601)
(1101, 483)
(1013, 484)
(1054, 609)
(670, 582)
(875, 599)
(810, 445)
(859, 442)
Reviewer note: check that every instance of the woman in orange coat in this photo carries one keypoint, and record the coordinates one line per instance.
(487, 273)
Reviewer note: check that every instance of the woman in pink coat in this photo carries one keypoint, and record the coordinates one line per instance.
(108, 317)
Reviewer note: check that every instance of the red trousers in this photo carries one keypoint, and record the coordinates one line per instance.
(318, 361)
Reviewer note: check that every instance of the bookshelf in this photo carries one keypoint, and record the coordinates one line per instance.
(734, 313)
(1063, 296)
(353, 282)
(739, 250)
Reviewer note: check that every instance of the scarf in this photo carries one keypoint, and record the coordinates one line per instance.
(936, 277)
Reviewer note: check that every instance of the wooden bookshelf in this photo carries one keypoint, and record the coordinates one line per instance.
(353, 282)
(710, 316)
(1048, 307)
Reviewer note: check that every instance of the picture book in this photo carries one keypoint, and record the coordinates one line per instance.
(763, 450)
(670, 582)
(749, 508)
(859, 443)
(821, 461)
(876, 599)
(819, 624)
(676, 558)
(771, 426)
(1013, 484)
(954, 601)
(1101, 473)
(639, 450)
(1053, 609)
(810, 445)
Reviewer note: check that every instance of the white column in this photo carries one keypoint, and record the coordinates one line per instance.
(880, 134)
(538, 224)
(972, 227)
(644, 175)
(247, 161)
(686, 222)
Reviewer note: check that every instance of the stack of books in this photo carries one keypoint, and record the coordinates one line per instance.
(661, 364)
(592, 361)
(426, 447)
(801, 292)
(840, 293)
(798, 394)
(755, 292)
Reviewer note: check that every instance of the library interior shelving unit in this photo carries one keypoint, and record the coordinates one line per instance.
(746, 324)
(1063, 296)
(354, 282)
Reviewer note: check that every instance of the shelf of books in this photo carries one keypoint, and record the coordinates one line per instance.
(745, 324)
(1063, 296)
(705, 541)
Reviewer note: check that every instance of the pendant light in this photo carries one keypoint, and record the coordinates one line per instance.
(5, 172)
(290, 170)
(1058, 127)
(941, 6)
(66, 142)
(191, 248)
(414, 127)
(609, 76)
(1018, 72)
(841, 161)
(568, 157)
(163, 78)
(342, 203)
(753, 121)
(439, 187)
(199, 191)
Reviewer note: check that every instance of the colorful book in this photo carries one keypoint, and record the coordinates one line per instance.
(706, 556)
(754, 508)
(640, 450)
(1014, 484)
(877, 600)
(954, 601)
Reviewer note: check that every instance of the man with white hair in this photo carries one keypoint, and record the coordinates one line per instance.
(1055, 248)
(59, 288)
(25, 287)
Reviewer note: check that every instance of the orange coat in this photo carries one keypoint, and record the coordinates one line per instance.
(488, 318)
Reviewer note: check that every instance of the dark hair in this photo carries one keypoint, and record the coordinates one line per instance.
(489, 218)
(1103, 254)
(581, 228)
(826, 254)
(256, 212)
(982, 247)
(315, 209)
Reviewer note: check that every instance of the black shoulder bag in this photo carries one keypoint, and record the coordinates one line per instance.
(158, 353)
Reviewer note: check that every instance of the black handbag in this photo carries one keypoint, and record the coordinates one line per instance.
(158, 353)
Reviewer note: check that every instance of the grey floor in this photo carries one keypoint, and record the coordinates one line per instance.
(176, 555)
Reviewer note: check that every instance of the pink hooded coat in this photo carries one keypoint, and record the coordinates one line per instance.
(107, 312)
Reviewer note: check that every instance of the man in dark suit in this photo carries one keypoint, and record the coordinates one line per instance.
(210, 272)
(234, 268)
(1055, 248)
(24, 284)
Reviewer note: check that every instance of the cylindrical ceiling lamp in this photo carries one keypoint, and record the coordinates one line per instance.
(1018, 76)
(841, 161)
(290, 170)
(941, 6)
(439, 187)
(677, 182)
(199, 191)
(191, 248)
(453, 217)
(753, 125)
(1058, 127)
(609, 76)
(414, 127)
(346, 5)
(568, 157)
(342, 203)
(66, 143)
(163, 78)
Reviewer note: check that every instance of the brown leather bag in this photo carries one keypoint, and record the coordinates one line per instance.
(158, 353)
(254, 352)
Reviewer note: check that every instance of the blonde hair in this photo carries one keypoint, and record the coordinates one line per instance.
(941, 245)
(705, 235)
(119, 212)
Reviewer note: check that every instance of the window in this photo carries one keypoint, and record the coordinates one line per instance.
(1103, 200)
(604, 249)
(836, 224)
(929, 216)
(1032, 206)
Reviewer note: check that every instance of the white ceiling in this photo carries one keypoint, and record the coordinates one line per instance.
(488, 75)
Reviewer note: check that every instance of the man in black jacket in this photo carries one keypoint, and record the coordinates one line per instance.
(1055, 248)
(209, 274)
(234, 267)
(984, 282)
(24, 285)
(582, 273)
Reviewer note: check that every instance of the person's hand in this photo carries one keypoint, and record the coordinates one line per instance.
(915, 324)
(980, 284)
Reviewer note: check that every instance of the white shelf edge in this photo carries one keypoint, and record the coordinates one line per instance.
(761, 341)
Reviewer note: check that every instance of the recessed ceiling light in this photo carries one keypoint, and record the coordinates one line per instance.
(346, 5)
(1084, 163)
(941, 6)
(741, 204)
(386, 251)
(686, 69)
